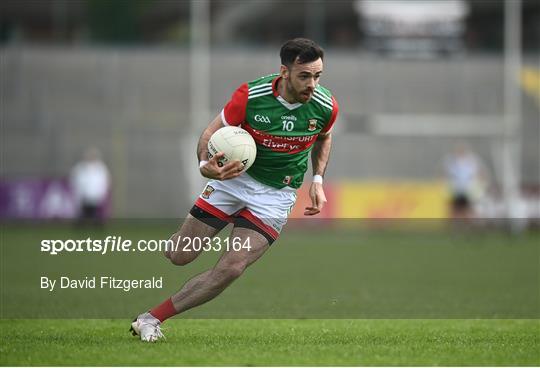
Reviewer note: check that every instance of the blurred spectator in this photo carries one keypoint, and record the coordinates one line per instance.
(90, 184)
(467, 177)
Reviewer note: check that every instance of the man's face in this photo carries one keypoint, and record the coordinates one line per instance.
(302, 79)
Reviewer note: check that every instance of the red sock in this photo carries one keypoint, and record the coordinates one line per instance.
(164, 310)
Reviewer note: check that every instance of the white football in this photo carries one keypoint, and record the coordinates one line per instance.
(236, 143)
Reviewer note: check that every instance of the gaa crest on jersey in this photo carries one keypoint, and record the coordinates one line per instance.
(287, 180)
(312, 125)
(207, 191)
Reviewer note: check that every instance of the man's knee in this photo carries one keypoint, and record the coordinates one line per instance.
(230, 271)
(179, 260)
(182, 251)
(176, 254)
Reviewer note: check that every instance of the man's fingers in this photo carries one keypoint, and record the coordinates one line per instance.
(310, 211)
(318, 202)
(316, 207)
(233, 166)
(218, 156)
(231, 170)
(215, 170)
(315, 201)
(230, 166)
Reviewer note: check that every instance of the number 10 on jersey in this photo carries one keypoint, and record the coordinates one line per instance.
(288, 125)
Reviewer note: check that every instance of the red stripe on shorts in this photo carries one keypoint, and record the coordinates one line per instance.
(258, 222)
(201, 203)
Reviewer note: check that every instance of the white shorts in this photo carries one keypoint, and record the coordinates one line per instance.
(264, 207)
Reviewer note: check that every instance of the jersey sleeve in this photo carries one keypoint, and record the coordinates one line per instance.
(335, 109)
(234, 112)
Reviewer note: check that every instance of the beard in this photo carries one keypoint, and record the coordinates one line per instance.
(302, 96)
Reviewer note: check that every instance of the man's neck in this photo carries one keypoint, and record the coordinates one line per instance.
(282, 91)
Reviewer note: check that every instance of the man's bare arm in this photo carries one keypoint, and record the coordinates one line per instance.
(319, 160)
(321, 154)
(202, 147)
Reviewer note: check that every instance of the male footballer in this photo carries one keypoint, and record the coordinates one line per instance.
(289, 115)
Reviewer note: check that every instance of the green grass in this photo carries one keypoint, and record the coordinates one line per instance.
(349, 295)
(318, 274)
(274, 342)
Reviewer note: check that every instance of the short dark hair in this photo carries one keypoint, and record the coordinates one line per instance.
(302, 49)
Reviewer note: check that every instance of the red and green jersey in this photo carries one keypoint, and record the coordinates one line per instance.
(284, 132)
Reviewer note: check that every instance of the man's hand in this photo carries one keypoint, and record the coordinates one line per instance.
(212, 170)
(318, 199)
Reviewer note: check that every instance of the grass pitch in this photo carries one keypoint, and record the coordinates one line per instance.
(274, 342)
(321, 297)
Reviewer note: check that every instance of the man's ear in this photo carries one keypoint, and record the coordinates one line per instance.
(284, 72)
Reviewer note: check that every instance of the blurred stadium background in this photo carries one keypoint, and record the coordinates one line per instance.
(140, 79)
